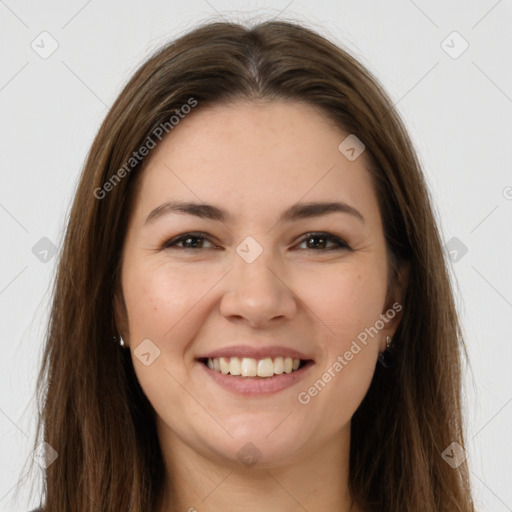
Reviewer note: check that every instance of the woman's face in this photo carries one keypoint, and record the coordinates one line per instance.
(260, 290)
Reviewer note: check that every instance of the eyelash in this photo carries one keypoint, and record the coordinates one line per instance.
(341, 244)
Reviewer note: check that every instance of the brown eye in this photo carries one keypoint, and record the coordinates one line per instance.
(315, 242)
(188, 241)
(319, 241)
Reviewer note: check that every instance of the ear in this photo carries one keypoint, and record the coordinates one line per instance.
(121, 315)
(394, 306)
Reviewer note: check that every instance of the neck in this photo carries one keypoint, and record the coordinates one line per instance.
(314, 480)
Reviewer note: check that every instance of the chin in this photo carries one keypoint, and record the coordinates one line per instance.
(256, 452)
(266, 441)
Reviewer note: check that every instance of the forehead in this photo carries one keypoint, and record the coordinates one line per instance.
(255, 158)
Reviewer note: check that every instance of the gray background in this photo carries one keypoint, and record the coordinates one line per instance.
(457, 107)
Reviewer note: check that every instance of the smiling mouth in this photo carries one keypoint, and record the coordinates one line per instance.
(250, 367)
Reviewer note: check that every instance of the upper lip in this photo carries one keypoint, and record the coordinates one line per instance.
(256, 352)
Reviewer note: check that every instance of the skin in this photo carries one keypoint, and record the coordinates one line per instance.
(254, 159)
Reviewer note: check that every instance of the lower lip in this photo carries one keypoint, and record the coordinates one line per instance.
(257, 385)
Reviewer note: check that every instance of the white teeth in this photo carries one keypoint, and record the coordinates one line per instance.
(265, 367)
(224, 365)
(279, 365)
(249, 367)
(235, 366)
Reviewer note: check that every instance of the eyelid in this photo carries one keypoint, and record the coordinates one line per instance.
(340, 242)
(191, 234)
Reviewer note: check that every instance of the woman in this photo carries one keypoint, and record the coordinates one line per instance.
(252, 308)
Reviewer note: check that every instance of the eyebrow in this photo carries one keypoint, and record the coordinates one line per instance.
(208, 211)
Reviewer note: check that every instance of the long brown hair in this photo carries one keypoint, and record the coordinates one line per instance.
(93, 411)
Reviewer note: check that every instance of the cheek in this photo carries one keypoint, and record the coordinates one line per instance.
(345, 300)
(160, 297)
(161, 302)
(347, 304)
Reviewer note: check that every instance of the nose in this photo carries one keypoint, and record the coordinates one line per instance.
(257, 293)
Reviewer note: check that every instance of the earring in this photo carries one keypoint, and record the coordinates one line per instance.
(384, 358)
(121, 341)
